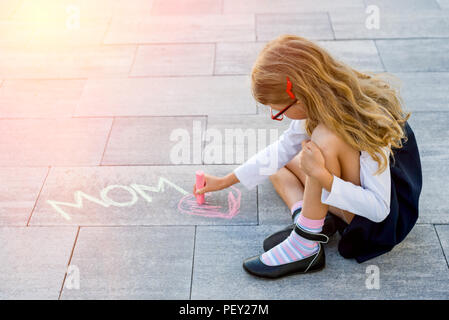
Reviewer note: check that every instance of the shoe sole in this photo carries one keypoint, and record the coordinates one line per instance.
(287, 275)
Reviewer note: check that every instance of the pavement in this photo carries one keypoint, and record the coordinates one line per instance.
(107, 110)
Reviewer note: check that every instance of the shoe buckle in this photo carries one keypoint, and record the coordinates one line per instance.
(318, 237)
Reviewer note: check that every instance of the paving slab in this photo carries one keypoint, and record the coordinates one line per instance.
(14, 33)
(39, 98)
(174, 59)
(308, 25)
(433, 202)
(139, 195)
(186, 7)
(124, 8)
(234, 139)
(54, 62)
(7, 8)
(19, 189)
(149, 141)
(239, 57)
(359, 54)
(85, 32)
(405, 6)
(411, 55)
(181, 29)
(287, 6)
(219, 253)
(425, 91)
(45, 10)
(65, 22)
(444, 4)
(62, 141)
(391, 24)
(133, 263)
(167, 96)
(33, 261)
(443, 236)
(236, 57)
(431, 133)
(272, 209)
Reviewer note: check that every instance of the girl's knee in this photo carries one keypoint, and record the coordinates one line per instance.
(328, 141)
(293, 167)
(274, 177)
(278, 176)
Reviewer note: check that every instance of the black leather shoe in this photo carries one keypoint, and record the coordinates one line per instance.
(312, 263)
(330, 227)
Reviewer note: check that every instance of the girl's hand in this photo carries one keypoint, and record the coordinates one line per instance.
(212, 184)
(311, 160)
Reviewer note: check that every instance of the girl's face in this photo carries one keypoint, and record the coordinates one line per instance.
(296, 111)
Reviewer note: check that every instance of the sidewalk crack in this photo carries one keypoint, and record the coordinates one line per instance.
(38, 195)
(193, 264)
(70, 261)
(441, 246)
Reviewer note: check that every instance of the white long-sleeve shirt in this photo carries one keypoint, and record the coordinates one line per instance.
(370, 200)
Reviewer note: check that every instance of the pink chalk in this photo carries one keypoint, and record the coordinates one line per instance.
(200, 182)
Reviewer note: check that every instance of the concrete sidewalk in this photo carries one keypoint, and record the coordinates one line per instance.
(94, 98)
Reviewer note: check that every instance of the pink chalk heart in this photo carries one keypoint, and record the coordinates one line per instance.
(188, 205)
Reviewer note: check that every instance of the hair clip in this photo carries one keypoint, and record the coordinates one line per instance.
(289, 89)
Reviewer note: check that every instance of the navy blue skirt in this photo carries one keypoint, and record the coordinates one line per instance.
(364, 239)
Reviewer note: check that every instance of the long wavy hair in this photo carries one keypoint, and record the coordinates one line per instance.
(364, 109)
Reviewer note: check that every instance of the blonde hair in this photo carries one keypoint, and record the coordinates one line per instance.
(363, 109)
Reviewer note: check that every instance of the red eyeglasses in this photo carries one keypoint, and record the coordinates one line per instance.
(281, 113)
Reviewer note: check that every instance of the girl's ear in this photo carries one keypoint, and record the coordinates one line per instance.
(299, 105)
(303, 143)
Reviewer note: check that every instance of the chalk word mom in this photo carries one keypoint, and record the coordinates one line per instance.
(105, 201)
(185, 205)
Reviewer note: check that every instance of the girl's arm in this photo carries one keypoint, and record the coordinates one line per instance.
(263, 164)
(269, 160)
(214, 183)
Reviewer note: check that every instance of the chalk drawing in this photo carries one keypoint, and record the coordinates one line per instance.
(184, 206)
(189, 205)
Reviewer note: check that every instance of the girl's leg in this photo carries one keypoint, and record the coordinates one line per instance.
(288, 186)
(342, 161)
(311, 218)
(289, 183)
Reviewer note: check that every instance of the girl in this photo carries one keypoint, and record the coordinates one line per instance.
(348, 154)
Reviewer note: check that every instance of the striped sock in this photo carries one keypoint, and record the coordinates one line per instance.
(295, 247)
(295, 207)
